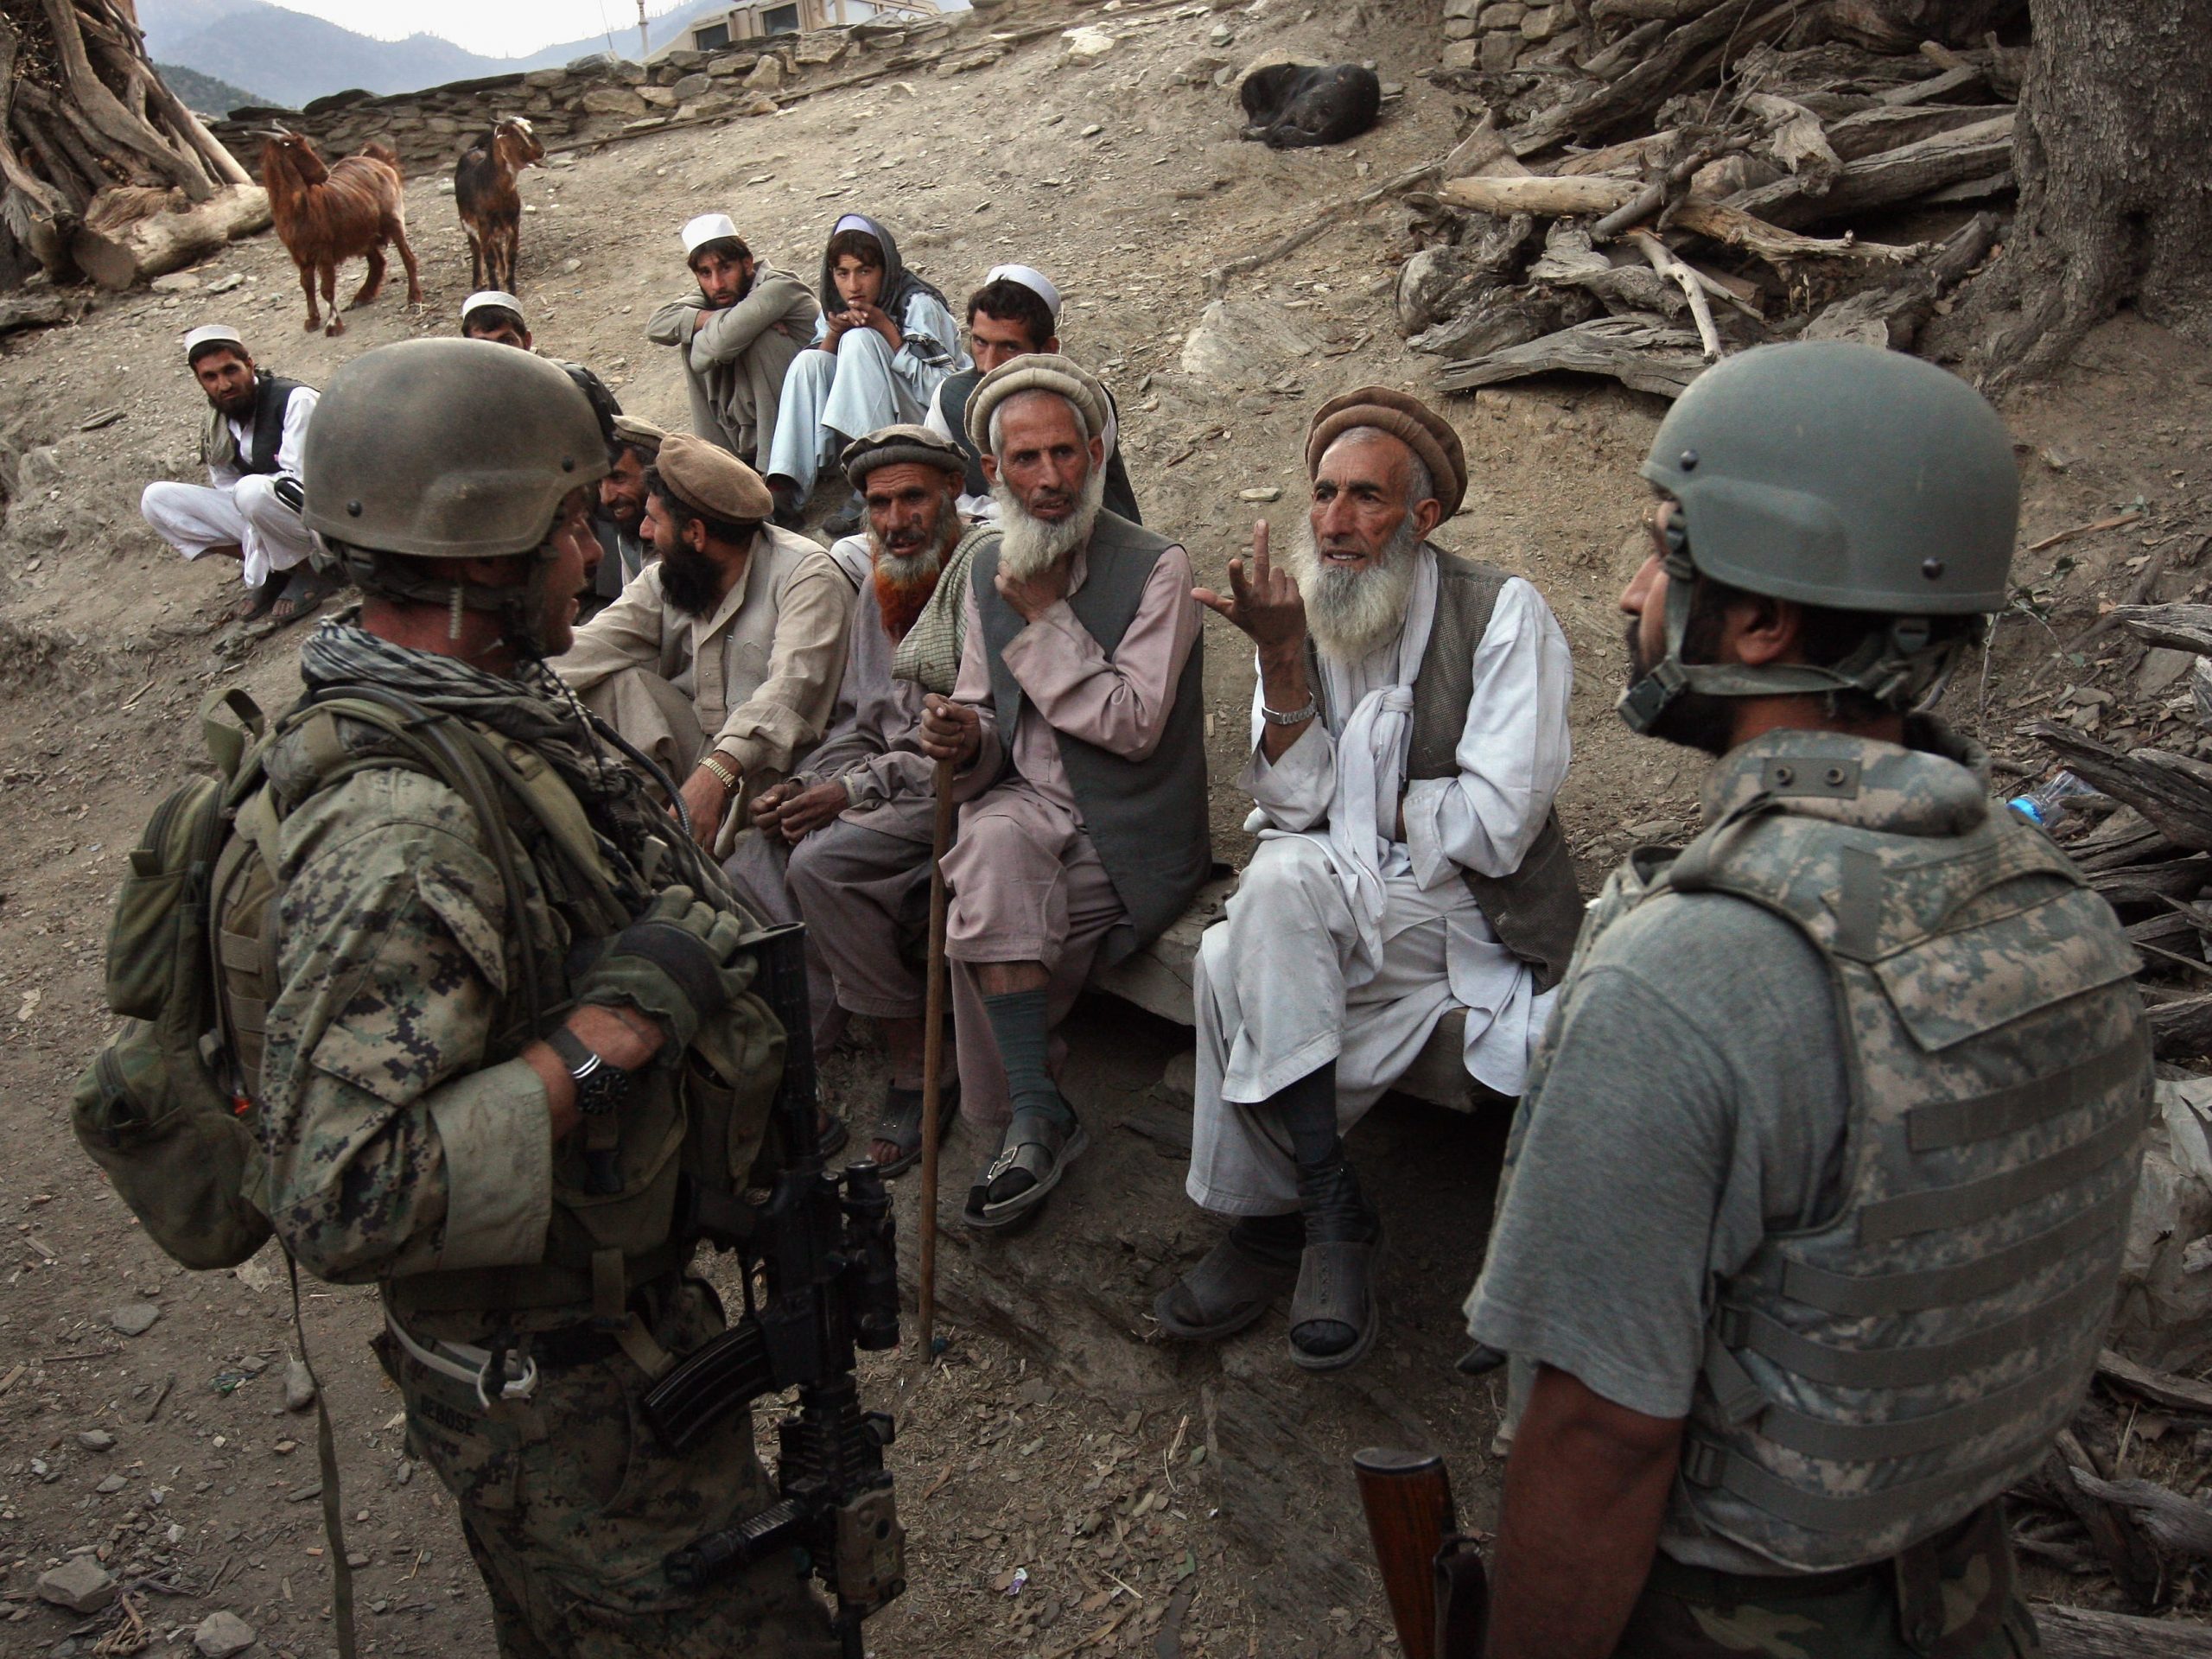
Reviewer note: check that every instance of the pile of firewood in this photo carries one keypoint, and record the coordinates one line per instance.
(1691, 177)
(2152, 859)
(2094, 1509)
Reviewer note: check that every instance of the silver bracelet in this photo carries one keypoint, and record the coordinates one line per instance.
(1295, 717)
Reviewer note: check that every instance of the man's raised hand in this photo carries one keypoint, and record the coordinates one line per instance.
(1262, 601)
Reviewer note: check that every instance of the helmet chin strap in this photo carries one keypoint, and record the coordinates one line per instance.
(1897, 666)
(520, 611)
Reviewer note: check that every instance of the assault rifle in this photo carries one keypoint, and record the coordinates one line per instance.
(823, 1246)
(1432, 1574)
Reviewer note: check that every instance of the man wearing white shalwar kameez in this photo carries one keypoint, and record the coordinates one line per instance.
(1409, 732)
(256, 425)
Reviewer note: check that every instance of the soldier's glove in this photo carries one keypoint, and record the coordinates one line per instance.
(678, 962)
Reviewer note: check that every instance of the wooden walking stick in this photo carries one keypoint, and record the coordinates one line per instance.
(933, 1052)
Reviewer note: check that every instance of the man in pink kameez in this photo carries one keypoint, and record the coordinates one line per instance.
(1077, 730)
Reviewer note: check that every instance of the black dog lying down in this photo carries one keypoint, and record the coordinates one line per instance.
(1291, 105)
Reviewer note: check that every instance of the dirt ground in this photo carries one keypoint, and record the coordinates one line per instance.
(1069, 1482)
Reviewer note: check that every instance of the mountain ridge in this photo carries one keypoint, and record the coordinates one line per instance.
(291, 58)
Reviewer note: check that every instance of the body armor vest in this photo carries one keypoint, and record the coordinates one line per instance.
(1877, 1374)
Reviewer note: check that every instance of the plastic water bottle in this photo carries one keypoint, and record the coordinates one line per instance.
(2045, 804)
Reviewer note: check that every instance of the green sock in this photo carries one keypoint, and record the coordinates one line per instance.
(1019, 1023)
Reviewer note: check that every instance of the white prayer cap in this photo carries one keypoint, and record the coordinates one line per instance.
(211, 334)
(1031, 278)
(707, 228)
(485, 296)
(860, 222)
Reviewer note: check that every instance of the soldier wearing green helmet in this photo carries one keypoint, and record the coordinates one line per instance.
(1816, 1202)
(498, 971)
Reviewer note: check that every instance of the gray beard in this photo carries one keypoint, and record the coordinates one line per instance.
(1028, 544)
(1350, 612)
(914, 569)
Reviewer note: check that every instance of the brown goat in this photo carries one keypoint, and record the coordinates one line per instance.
(490, 206)
(326, 215)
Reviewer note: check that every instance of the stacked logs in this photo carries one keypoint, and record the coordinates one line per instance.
(2152, 860)
(92, 145)
(1676, 180)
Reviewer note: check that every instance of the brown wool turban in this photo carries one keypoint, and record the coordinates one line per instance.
(1405, 417)
(642, 436)
(708, 479)
(1042, 371)
(895, 446)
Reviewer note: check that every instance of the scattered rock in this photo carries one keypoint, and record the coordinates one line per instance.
(111, 1485)
(175, 282)
(299, 1386)
(1271, 492)
(96, 1440)
(38, 468)
(1180, 1078)
(2161, 667)
(612, 100)
(82, 1585)
(1088, 45)
(134, 1319)
(220, 1635)
(1242, 343)
(572, 266)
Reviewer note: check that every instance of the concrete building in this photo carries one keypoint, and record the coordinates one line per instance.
(755, 20)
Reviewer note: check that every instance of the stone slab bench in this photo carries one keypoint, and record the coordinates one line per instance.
(1158, 980)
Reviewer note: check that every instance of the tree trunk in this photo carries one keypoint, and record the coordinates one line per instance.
(2115, 194)
(122, 256)
(1902, 25)
(82, 112)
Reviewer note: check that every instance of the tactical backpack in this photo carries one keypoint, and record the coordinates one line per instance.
(168, 1107)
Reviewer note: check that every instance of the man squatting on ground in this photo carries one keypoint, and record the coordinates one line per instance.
(1409, 730)
(1815, 1204)
(857, 819)
(1016, 312)
(420, 1133)
(1077, 730)
(886, 339)
(256, 423)
(738, 334)
(721, 660)
(494, 314)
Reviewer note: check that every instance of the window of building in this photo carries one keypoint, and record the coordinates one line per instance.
(712, 38)
(781, 19)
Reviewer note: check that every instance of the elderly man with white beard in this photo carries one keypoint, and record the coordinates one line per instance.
(1077, 732)
(844, 843)
(1409, 732)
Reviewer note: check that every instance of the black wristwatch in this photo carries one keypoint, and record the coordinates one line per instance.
(600, 1088)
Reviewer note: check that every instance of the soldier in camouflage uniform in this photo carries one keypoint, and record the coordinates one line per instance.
(1816, 1202)
(507, 1181)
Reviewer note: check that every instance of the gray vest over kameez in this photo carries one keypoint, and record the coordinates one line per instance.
(1537, 911)
(1877, 1375)
(1147, 818)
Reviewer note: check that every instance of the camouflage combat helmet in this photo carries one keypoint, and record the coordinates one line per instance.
(446, 449)
(1837, 475)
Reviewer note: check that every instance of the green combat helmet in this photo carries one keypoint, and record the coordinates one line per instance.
(446, 449)
(1836, 475)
